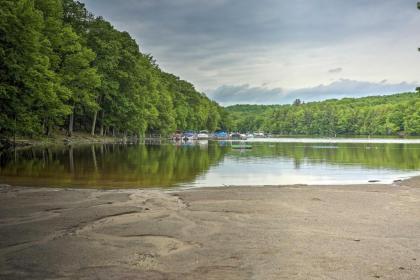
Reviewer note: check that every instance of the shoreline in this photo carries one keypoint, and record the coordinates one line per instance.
(412, 181)
(86, 138)
(78, 138)
(63, 139)
(273, 232)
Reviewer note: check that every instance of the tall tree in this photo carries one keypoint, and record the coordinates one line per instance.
(27, 85)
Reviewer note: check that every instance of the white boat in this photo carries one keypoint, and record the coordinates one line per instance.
(189, 135)
(250, 135)
(203, 134)
(259, 134)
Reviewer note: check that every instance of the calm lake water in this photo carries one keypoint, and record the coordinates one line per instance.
(213, 163)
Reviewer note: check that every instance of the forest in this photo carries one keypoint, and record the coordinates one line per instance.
(397, 114)
(62, 69)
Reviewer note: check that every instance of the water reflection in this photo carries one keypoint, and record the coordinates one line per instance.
(203, 163)
(109, 165)
(370, 155)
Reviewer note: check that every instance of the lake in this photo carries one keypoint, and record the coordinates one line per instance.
(277, 161)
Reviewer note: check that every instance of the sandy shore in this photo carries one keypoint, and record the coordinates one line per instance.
(291, 232)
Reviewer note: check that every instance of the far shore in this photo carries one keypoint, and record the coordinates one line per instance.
(76, 139)
(85, 138)
(276, 232)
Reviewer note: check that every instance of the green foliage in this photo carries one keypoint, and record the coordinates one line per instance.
(60, 67)
(28, 87)
(397, 114)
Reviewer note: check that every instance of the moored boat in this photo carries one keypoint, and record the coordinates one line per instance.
(203, 134)
(189, 135)
(220, 134)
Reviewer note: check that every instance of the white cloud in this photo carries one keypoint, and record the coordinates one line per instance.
(289, 44)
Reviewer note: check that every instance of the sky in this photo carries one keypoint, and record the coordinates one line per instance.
(275, 51)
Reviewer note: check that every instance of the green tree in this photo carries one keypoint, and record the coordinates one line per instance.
(27, 85)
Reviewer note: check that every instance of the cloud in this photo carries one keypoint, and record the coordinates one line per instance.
(202, 40)
(245, 94)
(190, 23)
(335, 70)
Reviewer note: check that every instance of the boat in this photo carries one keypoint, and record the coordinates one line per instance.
(189, 135)
(203, 134)
(220, 134)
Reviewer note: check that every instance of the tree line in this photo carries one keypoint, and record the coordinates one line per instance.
(62, 68)
(397, 114)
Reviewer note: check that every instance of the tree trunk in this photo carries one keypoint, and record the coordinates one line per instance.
(102, 122)
(47, 126)
(44, 126)
(49, 129)
(71, 123)
(92, 132)
(14, 133)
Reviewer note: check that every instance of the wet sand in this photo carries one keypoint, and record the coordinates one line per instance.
(289, 232)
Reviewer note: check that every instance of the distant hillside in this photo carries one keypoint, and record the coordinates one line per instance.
(397, 114)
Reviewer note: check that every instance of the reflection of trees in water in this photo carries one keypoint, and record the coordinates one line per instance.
(394, 156)
(117, 165)
(111, 165)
